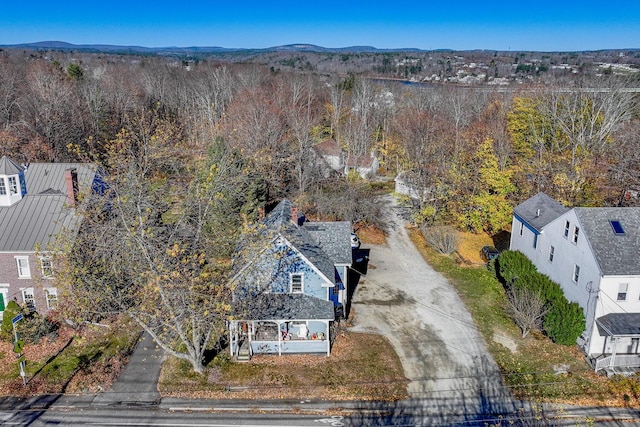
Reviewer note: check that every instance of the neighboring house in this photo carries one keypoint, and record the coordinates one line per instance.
(407, 184)
(289, 284)
(594, 254)
(337, 160)
(37, 201)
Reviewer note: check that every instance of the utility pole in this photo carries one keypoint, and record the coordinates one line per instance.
(18, 345)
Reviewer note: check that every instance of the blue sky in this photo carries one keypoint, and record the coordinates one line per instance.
(543, 25)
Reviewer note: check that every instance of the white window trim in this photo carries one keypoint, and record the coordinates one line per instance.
(28, 291)
(552, 253)
(50, 292)
(13, 185)
(46, 275)
(28, 267)
(623, 289)
(291, 275)
(576, 273)
(576, 234)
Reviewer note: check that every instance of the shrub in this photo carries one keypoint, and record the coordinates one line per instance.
(565, 322)
(444, 239)
(38, 327)
(514, 265)
(11, 310)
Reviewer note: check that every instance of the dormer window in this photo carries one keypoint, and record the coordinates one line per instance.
(13, 185)
(12, 182)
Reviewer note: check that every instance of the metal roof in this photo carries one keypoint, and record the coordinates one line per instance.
(9, 167)
(43, 211)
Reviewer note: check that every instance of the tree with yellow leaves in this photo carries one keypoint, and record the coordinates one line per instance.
(156, 245)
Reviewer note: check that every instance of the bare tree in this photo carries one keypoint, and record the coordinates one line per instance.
(526, 307)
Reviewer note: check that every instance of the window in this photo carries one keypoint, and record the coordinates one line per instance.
(566, 228)
(46, 264)
(576, 273)
(28, 298)
(335, 290)
(296, 283)
(521, 228)
(23, 267)
(3, 188)
(13, 185)
(51, 296)
(551, 251)
(622, 291)
(535, 241)
(617, 227)
(576, 231)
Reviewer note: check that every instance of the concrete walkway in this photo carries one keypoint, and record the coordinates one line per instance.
(138, 383)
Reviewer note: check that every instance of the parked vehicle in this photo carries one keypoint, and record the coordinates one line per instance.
(488, 253)
(355, 242)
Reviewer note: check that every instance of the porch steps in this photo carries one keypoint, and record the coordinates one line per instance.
(244, 352)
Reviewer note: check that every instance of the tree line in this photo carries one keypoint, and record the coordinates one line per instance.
(192, 153)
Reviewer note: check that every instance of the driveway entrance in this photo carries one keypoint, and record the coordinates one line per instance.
(417, 309)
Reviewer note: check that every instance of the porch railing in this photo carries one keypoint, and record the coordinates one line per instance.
(619, 361)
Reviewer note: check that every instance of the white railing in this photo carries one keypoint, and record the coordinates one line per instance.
(619, 361)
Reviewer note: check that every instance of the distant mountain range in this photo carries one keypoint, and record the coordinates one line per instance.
(173, 50)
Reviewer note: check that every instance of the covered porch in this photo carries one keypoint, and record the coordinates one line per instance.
(270, 325)
(621, 332)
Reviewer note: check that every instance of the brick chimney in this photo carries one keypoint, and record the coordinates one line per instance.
(294, 214)
(71, 180)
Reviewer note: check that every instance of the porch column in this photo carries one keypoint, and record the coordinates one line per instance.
(614, 343)
(279, 339)
(327, 340)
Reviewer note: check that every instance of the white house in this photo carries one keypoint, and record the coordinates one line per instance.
(594, 255)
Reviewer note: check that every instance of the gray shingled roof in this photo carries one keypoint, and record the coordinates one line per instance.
(539, 210)
(334, 238)
(278, 223)
(283, 306)
(616, 254)
(619, 324)
(43, 211)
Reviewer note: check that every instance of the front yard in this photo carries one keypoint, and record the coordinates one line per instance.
(85, 361)
(361, 367)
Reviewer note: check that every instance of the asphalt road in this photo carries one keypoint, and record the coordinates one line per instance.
(417, 309)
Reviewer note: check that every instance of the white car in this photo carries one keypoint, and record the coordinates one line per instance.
(355, 242)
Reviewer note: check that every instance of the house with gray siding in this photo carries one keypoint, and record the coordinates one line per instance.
(594, 255)
(37, 202)
(289, 284)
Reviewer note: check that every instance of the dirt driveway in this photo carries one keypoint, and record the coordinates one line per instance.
(417, 309)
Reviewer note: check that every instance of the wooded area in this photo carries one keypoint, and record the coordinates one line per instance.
(191, 152)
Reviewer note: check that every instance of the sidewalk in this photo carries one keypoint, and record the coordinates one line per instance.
(138, 383)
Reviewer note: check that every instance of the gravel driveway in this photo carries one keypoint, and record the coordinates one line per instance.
(418, 310)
